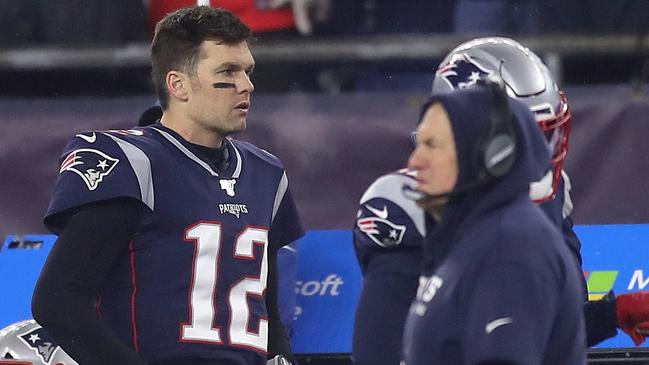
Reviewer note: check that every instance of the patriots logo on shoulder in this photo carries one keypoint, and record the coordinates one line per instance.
(40, 342)
(462, 72)
(379, 229)
(90, 164)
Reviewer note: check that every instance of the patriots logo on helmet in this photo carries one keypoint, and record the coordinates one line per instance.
(40, 342)
(90, 164)
(380, 230)
(462, 72)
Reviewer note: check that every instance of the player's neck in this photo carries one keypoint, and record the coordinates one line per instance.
(191, 131)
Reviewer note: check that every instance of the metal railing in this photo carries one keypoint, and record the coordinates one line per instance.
(374, 49)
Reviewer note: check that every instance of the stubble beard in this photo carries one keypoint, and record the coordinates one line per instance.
(229, 131)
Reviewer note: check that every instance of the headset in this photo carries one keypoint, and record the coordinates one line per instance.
(495, 153)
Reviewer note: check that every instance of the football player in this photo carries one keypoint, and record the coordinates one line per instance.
(388, 238)
(286, 257)
(169, 233)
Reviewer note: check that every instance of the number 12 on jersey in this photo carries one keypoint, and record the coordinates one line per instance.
(207, 238)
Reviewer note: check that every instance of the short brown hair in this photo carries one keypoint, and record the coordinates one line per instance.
(179, 35)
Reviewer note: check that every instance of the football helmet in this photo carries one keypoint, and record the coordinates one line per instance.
(27, 343)
(527, 79)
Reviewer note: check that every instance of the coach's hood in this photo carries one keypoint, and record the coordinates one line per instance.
(470, 114)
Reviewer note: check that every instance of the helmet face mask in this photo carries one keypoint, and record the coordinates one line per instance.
(525, 77)
(557, 132)
(27, 343)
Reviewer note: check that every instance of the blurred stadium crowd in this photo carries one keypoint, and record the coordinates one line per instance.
(87, 22)
(75, 24)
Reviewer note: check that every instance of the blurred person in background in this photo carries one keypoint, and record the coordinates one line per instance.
(389, 230)
(168, 234)
(267, 17)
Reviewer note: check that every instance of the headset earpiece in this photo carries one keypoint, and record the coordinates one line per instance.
(497, 152)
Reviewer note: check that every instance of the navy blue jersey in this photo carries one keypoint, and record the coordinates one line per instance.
(388, 236)
(559, 210)
(191, 284)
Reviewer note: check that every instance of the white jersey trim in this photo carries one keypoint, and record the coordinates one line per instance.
(141, 166)
(193, 157)
(567, 200)
(390, 187)
(279, 195)
(542, 188)
(237, 170)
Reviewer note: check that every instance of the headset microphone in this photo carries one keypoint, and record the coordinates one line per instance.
(413, 194)
(223, 85)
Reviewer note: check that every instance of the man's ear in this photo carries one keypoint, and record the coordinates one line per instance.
(178, 85)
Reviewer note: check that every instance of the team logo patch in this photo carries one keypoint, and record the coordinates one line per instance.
(462, 72)
(379, 229)
(40, 342)
(90, 164)
(234, 209)
(228, 186)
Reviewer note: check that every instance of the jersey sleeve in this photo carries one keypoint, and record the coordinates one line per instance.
(95, 167)
(559, 210)
(382, 308)
(387, 220)
(388, 234)
(286, 226)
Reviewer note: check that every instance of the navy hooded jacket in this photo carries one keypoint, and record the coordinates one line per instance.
(498, 284)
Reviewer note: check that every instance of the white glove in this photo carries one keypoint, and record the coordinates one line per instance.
(305, 12)
(278, 360)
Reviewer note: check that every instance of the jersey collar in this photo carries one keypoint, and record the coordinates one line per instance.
(234, 170)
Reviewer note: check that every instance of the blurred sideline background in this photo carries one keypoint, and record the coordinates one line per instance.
(338, 85)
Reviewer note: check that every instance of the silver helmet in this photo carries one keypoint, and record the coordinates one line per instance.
(26, 342)
(526, 78)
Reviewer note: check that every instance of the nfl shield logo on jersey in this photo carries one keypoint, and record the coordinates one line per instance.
(90, 164)
(228, 186)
